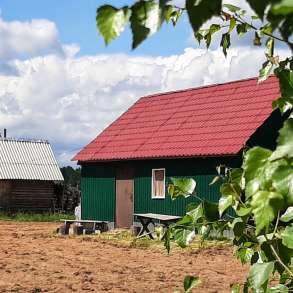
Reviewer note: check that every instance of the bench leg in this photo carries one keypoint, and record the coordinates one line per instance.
(67, 226)
(145, 229)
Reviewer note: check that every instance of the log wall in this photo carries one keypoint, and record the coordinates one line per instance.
(27, 195)
(5, 193)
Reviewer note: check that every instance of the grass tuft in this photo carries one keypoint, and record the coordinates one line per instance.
(32, 217)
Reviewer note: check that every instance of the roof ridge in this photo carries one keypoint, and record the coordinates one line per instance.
(201, 87)
(32, 140)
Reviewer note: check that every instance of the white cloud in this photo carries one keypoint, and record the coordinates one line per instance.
(27, 39)
(69, 99)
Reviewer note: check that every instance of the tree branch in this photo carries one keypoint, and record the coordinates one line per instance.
(280, 261)
(278, 257)
(239, 19)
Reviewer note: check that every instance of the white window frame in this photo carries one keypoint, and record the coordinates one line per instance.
(153, 173)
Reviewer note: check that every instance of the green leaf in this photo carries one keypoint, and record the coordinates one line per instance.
(224, 203)
(185, 221)
(201, 11)
(286, 255)
(265, 206)
(231, 192)
(254, 160)
(259, 170)
(242, 29)
(225, 43)
(284, 7)
(232, 8)
(243, 211)
(231, 189)
(286, 82)
(286, 27)
(214, 28)
(235, 288)
(257, 39)
(282, 181)
(266, 29)
(167, 239)
(146, 19)
(173, 14)
(211, 211)
(284, 104)
(271, 167)
(288, 215)
(191, 282)
(198, 35)
(181, 187)
(262, 239)
(285, 142)
(196, 213)
(183, 236)
(270, 45)
(236, 176)
(208, 39)
(205, 231)
(287, 237)
(259, 6)
(244, 254)
(252, 187)
(111, 21)
(265, 71)
(280, 288)
(232, 24)
(215, 180)
(259, 274)
(207, 34)
(237, 227)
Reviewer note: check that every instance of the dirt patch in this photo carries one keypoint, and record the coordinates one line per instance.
(33, 259)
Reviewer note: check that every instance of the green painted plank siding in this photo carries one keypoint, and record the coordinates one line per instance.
(98, 192)
(202, 170)
(143, 202)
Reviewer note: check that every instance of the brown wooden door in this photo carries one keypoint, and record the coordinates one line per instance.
(124, 196)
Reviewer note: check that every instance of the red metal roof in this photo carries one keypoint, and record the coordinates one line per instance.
(206, 121)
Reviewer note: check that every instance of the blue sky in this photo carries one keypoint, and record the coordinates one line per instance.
(75, 20)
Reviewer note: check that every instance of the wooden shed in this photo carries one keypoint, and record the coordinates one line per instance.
(187, 133)
(28, 170)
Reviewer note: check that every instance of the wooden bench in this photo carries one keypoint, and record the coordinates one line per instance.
(150, 218)
(101, 225)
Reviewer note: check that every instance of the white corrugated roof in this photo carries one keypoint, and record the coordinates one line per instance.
(28, 159)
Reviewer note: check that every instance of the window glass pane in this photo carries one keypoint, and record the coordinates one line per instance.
(159, 183)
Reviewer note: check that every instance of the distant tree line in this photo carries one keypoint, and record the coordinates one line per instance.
(71, 176)
(67, 193)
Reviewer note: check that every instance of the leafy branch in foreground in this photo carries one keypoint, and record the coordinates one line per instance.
(261, 195)
(260, 192)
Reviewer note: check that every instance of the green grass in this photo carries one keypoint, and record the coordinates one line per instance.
(125, 238)
(32, 217)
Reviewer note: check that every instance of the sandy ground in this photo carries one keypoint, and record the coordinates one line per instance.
(33, 259)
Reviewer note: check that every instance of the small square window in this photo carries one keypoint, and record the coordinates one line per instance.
(158, 183)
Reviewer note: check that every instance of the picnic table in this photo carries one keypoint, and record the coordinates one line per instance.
(67, 224)
(150, 218)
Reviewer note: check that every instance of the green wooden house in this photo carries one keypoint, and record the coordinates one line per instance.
(187, 133)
